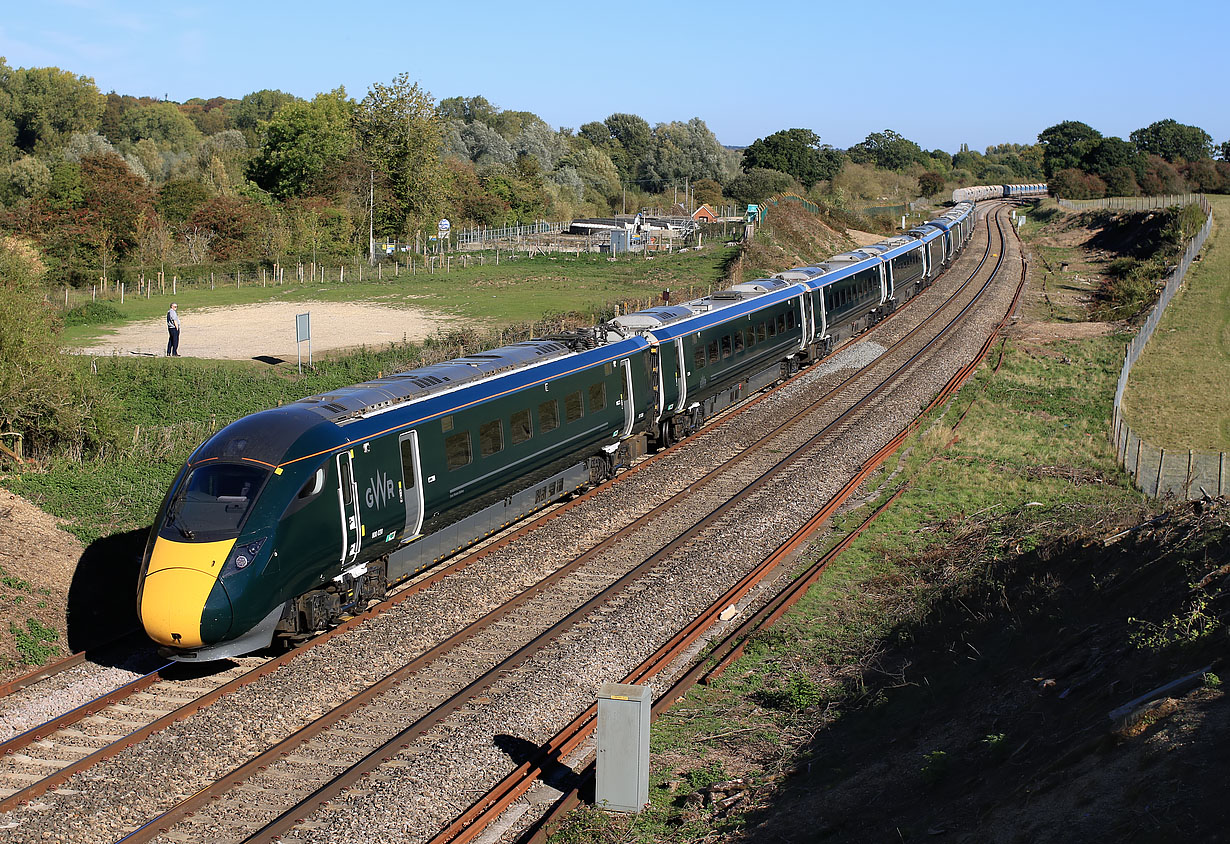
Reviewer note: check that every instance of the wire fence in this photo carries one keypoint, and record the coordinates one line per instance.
(1134, 203)
(1181, 473)
(483, 234)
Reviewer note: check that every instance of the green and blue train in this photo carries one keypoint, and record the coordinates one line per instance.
(288, 520)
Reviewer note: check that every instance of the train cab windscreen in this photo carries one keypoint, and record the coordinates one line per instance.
(214, 499)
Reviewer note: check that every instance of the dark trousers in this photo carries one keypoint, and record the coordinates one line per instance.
(173, 341)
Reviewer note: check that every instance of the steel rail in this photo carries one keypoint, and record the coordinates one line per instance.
(731, 647)
(287, 820)
(483, 812)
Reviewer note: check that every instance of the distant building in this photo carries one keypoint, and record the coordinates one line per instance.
(704, 214)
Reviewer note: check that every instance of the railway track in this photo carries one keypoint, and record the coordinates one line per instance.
(507, 625)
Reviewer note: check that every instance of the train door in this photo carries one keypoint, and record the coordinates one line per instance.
(628, 398)
(886, 282)
(683, 375)
(411, 483)
(348, 506)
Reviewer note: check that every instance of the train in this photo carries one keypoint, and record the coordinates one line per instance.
(977, 194)
(288, 520)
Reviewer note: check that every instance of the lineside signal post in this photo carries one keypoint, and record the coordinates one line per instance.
(303, 331)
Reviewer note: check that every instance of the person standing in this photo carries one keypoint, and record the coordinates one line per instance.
(173, 331)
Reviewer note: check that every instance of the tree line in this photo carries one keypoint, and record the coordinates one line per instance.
(101, 183)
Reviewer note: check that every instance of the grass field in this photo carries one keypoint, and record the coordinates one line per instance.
(1178, 395)
(519, 290)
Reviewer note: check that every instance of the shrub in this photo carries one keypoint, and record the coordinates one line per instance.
(93, 313)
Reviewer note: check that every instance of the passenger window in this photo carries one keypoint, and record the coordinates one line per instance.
(751, 336)
(572, 406)
(521, 428)
(739, 340)
(407, 463)
(713, 352)
(699, 357)
(772, 327)
(548, 416)
(597, 397)
(790, 320)
(726, 346)
(491, 437)
(762, 333)
(781, 323)
(457, 450)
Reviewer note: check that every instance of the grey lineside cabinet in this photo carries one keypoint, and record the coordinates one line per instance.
(622, 783)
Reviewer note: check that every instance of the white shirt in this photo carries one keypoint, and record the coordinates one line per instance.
(172, 319)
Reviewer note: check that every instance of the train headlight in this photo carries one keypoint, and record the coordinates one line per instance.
(246, 553)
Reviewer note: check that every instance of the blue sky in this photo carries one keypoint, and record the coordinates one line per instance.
(941, 74)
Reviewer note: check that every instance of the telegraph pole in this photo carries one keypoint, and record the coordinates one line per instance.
(371, 218)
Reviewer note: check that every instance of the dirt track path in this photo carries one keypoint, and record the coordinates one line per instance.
(268, 329)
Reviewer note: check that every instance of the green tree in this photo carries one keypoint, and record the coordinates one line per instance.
(467, 109)
(302, 143)
(179, 199)
(1064, 145)
(42, 396)
(794, 151)
(1108, 154)
(162, 123)
(398, 133)
(256, 108)
(47, 104)
(758, 184)
(1173, 141)
(630, 143)
(887, 150)
(681, 151)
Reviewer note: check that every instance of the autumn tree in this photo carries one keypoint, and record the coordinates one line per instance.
(931, 183)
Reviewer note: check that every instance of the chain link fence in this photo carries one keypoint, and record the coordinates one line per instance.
(1181, 473)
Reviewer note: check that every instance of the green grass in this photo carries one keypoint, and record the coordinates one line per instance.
(520, 290)
(1178, 395)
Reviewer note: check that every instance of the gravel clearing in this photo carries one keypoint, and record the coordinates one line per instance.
(268, 329)
(441, 773)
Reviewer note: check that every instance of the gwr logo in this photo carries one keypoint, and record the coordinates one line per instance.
(380, 490)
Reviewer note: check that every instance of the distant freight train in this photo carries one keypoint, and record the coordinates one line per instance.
(287, 520)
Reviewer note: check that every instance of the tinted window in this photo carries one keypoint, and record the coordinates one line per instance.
(739, 340)
(491, 437)
(762, 333)
(726, 346)
(713, 352)
(407, 462)
(699, 357)
(790, 320)
(597, 397)
(457, 450)
(781, 323)
(572, 406)
(521, 429)
(772, 328)
(216, 497)
(548, 416)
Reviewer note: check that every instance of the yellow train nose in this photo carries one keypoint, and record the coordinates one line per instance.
(178, 581)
